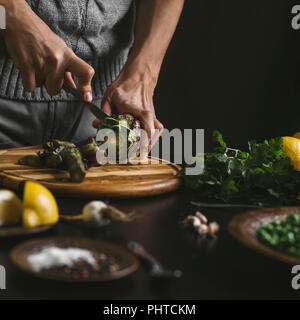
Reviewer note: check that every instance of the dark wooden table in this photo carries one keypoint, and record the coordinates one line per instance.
(223, 269)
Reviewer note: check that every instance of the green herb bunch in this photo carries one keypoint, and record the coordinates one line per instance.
(263, 175)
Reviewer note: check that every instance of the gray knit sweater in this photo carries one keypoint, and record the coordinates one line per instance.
(99, 31)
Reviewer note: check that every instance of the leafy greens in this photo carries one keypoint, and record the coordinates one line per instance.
(263, 175)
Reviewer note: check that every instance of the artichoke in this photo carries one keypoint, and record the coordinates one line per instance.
(127, 131)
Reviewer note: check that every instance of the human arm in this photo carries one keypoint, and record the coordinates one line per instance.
(42, 57)
(132, 91)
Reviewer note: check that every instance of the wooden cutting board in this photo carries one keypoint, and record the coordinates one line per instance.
(107, 181)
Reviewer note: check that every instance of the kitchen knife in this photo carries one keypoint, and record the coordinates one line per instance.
(224, 205)
(97, 112)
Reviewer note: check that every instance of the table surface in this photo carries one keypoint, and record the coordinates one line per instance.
(223, 269)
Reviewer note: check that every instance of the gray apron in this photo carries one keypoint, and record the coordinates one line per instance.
(24, 123)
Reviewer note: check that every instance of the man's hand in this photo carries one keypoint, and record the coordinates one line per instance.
(42, 57)
(131, 94)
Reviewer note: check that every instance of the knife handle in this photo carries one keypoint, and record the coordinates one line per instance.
(98, 113)
(69, 88)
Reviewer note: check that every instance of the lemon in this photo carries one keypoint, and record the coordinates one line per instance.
(39, 205)
(291, 146)
(10, 208)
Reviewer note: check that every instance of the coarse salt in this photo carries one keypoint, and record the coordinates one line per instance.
(50, 257)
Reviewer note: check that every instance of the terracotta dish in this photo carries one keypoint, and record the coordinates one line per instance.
(244, 227)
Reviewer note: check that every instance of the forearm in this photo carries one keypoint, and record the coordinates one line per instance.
(42, 57)
(132, 91)
(15, 10)
(155, 26)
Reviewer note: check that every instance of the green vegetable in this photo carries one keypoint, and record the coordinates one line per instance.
(123, 126)
(72, 159)
(59, 155)
(64, 155)
(283, 235)
(52, 160)
(31, 160)
(262, 175)
(89, 150)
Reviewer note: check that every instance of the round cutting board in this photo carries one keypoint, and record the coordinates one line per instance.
(106, 181)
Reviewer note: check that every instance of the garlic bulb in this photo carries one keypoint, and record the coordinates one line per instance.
(94, 213)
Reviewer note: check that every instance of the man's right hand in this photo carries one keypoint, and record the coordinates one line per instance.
(42, 57)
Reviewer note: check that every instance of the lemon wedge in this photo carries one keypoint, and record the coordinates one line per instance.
(10, 208)
(39, 206)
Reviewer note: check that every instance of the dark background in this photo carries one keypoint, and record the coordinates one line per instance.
(233, 66)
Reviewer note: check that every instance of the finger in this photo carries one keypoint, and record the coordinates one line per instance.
(39, 79)
(84, 73)
(105, 107)
(96, 123)
(146, 118)
(69, 78)
(147, 121)
(158, 131)
(158, 125)
(54, 82)
(28, 80)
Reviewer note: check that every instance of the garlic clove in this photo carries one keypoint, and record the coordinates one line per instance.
(201, 217)
(192, 220)
(202, 229)
(213, 228)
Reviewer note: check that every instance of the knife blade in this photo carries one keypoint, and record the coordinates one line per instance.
(224, 205)
(97, 112)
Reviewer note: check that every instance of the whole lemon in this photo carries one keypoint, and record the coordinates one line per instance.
(10, 208)
(291, 146)
(39, 205)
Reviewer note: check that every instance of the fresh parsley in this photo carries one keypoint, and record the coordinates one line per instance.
(263, 175)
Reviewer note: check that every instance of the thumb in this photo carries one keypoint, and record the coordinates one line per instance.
(106, 107)
(84, 73)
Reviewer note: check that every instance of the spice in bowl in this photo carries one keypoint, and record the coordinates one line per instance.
(282, 235)
(72, 263)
